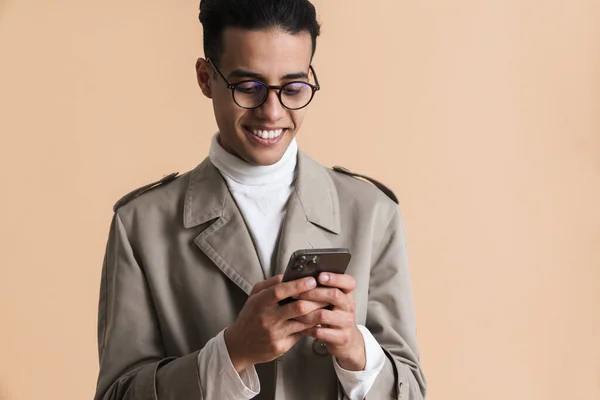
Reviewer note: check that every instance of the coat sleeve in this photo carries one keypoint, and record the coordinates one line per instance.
(391, 318)
(132, 357)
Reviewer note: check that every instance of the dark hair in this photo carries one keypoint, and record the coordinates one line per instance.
(293, 16)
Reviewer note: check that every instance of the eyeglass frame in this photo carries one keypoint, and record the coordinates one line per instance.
(316, 87)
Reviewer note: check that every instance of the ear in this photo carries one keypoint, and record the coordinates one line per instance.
(204, 76)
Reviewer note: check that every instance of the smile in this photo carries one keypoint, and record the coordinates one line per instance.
(266, 134)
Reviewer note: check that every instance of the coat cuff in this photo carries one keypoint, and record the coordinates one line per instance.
(406, 386)
(169, 379)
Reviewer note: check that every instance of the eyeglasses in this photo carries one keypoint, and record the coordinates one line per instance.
(250, 94)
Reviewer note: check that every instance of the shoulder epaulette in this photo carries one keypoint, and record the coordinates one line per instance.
(388, 192)
(138, 192)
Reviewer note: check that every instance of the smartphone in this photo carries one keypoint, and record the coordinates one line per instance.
(311, 262)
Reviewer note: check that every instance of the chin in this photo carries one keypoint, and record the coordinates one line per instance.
(263, 158)
(259, 155)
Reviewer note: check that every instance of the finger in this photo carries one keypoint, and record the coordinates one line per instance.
(262, 285)
(346, 283)
(284, 290)
(333, 319)
(294, 328)
(287, 343)
(331, 336)
(332, 296)
(299, 308)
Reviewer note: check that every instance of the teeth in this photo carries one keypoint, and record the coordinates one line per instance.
(267, 134)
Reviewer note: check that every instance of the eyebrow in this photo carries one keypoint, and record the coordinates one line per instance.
(242, 73)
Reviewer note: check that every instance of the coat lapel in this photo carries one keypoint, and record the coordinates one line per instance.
(227, 241)
(312, 212)
(312, 216)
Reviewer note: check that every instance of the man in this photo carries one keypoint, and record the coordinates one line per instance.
(191, 284)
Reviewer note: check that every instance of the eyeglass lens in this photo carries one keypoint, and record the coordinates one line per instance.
(252, 94)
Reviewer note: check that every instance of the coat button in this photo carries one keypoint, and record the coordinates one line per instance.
(320, 348)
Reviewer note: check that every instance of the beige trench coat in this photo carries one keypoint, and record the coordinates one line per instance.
(180, 264)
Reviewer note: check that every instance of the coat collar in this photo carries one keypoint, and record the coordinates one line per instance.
(207, 195)
(317, 194)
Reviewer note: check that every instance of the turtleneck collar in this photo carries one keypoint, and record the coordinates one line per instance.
(242, 172)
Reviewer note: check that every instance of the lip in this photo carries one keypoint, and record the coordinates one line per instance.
(264, 128)
(261, 141)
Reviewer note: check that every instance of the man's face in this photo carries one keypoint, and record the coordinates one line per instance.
(273, 57)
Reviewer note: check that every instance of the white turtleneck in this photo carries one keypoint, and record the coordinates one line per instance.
(261, 194)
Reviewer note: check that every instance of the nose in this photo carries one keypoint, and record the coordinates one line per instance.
(271, 108)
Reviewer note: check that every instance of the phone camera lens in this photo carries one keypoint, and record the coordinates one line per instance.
(298, 268)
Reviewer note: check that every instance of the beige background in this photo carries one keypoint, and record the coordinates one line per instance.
(483, 116)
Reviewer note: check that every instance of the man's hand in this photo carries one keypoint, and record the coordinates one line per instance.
(264, 330)
(338, 327)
